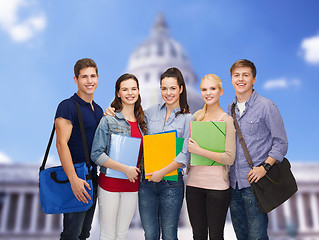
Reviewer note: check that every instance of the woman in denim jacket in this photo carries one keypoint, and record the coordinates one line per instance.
(118, 197)
(160, 201)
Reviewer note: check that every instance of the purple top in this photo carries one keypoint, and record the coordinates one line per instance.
(264, 133)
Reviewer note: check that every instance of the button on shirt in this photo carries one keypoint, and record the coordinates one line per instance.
(264, 133)
(155, 118)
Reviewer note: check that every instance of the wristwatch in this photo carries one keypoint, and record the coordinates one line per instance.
(266, 166)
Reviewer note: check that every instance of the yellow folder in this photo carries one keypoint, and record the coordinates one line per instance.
(159, 151)
(179, 148)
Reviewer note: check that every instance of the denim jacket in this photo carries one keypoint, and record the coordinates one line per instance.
(102, 137)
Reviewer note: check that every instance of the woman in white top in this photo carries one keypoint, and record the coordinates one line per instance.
(207, 190)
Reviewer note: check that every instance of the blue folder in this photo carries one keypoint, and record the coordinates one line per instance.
(175, 131)
(125, 150)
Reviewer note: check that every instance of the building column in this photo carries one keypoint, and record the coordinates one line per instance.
(301, 213)
(290, 222)
(5, 212)
(35, 213)
(19, 212)
(48, 223)
(314, 211)
(273, 215)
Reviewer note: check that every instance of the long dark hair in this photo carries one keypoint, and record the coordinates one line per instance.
(117, 102)
(176, 73)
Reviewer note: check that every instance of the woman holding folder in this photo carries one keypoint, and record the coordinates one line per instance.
(207, 190)
(160, 201)
(117, 197)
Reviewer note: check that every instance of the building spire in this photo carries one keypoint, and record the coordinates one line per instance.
(160, 27)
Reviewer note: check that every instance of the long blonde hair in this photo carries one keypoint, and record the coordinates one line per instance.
(200, 114)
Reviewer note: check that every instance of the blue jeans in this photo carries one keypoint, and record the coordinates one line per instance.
(248, 222)
(160, 206)
(77, 225)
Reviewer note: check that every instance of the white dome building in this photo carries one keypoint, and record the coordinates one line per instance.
(153, 57)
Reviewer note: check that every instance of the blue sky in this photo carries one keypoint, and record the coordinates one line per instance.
(41, 40)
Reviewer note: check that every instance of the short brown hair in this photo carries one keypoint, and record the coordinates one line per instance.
(244, 63)
(84, 63)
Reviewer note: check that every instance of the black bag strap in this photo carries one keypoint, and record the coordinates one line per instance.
(86, 152)
(245, 149)
(85, 146)
(241, 138)
(48, 149)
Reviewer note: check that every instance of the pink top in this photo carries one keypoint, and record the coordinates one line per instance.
(208, 177)
(216, 177)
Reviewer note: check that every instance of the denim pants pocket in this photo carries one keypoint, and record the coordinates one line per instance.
(249, 223)
(160, 205)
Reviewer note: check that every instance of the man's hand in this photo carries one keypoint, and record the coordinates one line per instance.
(256, 173)
(110, 111)
(78, 187)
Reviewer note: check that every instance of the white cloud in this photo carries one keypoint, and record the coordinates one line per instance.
(4, 158)
(282, 83)
(20, 30)
(310, 49)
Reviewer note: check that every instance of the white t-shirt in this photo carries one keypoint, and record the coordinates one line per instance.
(241, 107)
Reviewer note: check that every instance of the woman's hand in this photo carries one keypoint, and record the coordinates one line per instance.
(132, 173)
(256, 173)
(110, 111)
(156, 176)
(193, 146)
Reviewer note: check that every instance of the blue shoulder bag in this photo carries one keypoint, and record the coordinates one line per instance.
(56, 195)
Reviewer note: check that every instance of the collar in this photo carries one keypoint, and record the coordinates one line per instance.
(175, 110)
(81, 101)
(119, 114)
(251, 99)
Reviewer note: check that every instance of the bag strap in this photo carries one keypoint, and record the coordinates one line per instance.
(245, 149)
(86, 152)
(48, 149)
(85, 146)
(241, 138)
